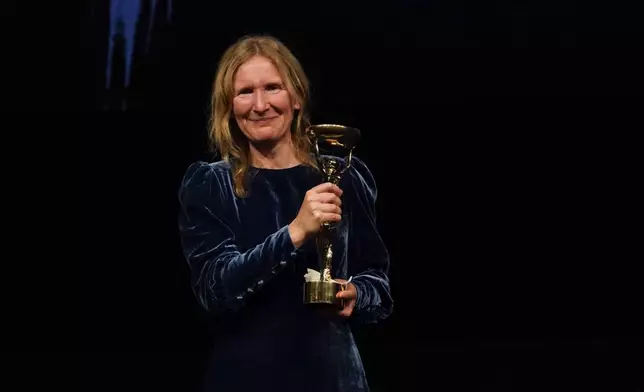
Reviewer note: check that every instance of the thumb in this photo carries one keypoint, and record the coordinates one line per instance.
(345, 294)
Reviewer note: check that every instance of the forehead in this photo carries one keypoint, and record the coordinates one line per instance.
(256, 70)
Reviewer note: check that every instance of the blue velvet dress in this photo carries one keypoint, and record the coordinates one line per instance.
(249, 276)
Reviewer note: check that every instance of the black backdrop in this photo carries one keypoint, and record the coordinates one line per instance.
(494, 134)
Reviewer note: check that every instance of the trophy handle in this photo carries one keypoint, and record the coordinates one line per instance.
(315, 138)
(348, 161)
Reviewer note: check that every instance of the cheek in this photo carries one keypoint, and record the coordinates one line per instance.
(285, 104)
(240, 108)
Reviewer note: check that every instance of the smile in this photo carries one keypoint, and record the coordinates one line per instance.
(263, 119)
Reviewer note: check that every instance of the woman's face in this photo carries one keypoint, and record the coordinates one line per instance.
(262, 106)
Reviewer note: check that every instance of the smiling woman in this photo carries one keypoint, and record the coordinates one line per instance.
(248, 225)
(259, 78)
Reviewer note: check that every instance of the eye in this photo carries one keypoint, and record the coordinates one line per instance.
(273, 88)
(244, 91)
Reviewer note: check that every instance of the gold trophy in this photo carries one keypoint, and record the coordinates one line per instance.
(322, 289)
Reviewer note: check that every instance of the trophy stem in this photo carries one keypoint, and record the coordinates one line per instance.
(325, 252)
(324, 290)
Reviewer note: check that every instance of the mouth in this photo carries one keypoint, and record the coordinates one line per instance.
(263, 120)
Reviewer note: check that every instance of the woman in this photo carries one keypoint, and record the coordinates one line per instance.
(247, 224)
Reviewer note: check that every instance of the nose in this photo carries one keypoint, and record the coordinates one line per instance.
(261, 102)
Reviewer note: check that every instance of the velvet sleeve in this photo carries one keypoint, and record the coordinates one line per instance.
(223, 276)
(369, 263)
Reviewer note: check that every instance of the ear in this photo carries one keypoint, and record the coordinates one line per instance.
(296, 106)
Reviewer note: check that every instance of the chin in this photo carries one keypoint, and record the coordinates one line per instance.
(268, 134)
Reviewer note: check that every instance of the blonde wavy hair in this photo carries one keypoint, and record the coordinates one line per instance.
(224, 133)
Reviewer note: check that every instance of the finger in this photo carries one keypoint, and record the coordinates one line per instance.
(348, 309)
(324, 197)
(327, 213)
(327, 187)
(323, 207)
(327, 197)
(329, 217)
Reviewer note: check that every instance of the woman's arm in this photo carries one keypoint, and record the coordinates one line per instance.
(222, 276)
(369, 260)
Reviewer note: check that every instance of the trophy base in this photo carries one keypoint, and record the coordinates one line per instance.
(322, 293)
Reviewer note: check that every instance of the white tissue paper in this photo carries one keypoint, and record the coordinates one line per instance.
(314, 276)
(311, 275)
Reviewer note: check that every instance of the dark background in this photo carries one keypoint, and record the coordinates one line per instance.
(500, 136)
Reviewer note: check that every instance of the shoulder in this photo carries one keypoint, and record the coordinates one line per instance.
(362, 177)
(204, 171)
(359, 178)
(360, 171)
(201, 177)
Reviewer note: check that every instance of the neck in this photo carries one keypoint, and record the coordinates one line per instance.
(280, 155)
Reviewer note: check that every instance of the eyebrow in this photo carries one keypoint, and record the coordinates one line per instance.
(268, 83)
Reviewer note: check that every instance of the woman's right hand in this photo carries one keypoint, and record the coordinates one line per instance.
(321, 204)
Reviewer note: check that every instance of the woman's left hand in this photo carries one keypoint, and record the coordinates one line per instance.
(349, 295)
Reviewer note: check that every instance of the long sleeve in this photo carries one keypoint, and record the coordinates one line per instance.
(369, 262)
(222, 276)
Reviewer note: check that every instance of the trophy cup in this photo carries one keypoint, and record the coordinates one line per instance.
(322, 288)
